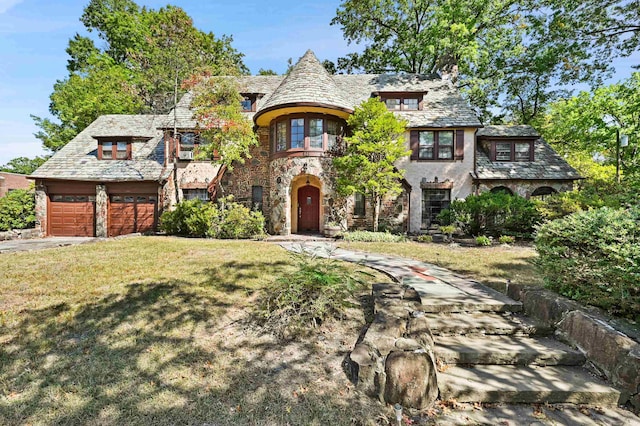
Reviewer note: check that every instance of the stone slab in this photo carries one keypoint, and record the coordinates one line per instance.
(483, 323)
(517, 384)
(505, 350)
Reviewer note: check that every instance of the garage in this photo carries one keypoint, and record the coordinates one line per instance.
(130, 213)
(72, 215)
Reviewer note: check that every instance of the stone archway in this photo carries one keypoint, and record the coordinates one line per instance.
(307, 209)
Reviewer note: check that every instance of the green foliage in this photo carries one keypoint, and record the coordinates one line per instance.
(373, 237)
(217, 108)
(594, 257)
(367, 164)
(448, 230)
(316, 290)
(23, 165)
(146, 55)
(424, 238)
(493, 214)
(483, 240)
(506, 239)
(195, 218)
(17, 210)
(514, 51)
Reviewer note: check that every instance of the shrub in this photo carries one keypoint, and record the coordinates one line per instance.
(316, 290)
(17, 210)
(373, 237)
(424, 238)
(493, 214)
(594, 257)
(506, 239)
(195, 218)
(483, 240)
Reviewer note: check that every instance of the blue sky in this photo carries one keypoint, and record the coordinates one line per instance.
(34, 36)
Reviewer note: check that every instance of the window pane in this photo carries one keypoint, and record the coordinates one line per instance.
(247, 104)
(256, 197)
(121, 151)
(316, 132)
(445, 145)
(503, 151)
(116, 198)
(359, 207)
(297, 133)
(332, 134)
(433, 202)
(187, 140)
(426, 145)
(141, 199)
(392, 104)
(128, 199)
(522, 151)
(190, 194)
(107, 150)
(56, 198)
(410, 104)
(281, 141)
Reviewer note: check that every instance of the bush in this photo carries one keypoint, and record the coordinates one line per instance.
(316, 290)
(594, 257)
(506, 239)
(483, 240)
(373, 237)
(493, 214)
(17, 210)
(424, 238)
(195, 218)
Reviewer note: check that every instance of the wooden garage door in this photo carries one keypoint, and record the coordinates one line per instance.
(132, 213)
(72, 215)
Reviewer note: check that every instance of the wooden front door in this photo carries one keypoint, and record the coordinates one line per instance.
(308, 209)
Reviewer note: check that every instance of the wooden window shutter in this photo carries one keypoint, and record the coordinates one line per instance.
(459, 144)
(414, 141)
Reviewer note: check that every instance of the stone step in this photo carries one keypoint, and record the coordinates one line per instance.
(505, 350)
(483, 323)
(518, 384)
(451, 293)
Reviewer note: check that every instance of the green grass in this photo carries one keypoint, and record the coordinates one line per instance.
(153, 330)
(489, 265)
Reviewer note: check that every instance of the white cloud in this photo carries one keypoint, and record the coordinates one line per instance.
(8, 4)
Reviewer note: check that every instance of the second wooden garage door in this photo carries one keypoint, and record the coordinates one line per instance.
(132, 213)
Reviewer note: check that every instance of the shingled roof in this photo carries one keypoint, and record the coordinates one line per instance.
(547, 164)
(308, 82)
(78, 160)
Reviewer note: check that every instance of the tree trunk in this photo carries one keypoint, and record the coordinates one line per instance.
(376, 211)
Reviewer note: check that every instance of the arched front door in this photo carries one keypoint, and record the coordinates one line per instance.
(308, 209)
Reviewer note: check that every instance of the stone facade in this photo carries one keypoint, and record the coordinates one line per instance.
(101, 211)
(524, 188)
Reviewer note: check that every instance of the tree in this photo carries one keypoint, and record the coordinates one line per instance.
(269, 71)
(518, 49)
(228, 133)
(146, 55)
(367, 164)
(584, 127)
(23, 165)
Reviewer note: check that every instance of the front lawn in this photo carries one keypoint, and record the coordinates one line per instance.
(153, 330)
(490, 265)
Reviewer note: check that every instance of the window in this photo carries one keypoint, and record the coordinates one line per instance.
(248, 103)
(435, 145)
(114, 150)
(543, 193)
(200, 194)
(359, 204)
(256, 197)
(512, 151)
(402, 101)
(308, 133)
(433, 202)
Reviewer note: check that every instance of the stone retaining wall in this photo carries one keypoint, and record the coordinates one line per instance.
(20, 234)
(610, 352)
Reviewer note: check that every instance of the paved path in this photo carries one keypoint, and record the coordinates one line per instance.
(440, 287)
(43, 243)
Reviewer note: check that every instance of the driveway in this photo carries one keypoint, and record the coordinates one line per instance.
(43, 243)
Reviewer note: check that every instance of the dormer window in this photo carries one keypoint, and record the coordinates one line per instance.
(114, 150)
(402, 101)
(248, 103)
(511, 151)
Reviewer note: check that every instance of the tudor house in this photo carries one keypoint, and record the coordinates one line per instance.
(120, 173)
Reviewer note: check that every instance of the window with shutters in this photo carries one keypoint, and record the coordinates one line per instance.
(437, 145)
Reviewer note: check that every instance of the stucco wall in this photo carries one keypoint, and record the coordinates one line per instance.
(458, 172)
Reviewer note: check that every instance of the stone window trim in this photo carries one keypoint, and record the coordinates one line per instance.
(457, 149)
(512, 151)
(114, 153)
(436, 185)
(405, 101)
(306, 149)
